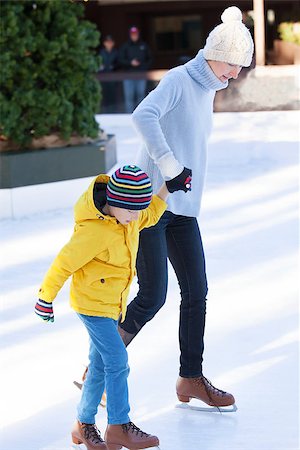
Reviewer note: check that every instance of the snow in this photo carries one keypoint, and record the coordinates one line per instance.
(249, 224)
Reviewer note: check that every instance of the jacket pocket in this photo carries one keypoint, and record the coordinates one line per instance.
(95, 271)
(104, 256)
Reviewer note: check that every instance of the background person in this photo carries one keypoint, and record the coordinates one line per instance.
(109, 63)
(134, 56)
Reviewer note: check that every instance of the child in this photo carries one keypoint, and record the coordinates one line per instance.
(101, 256)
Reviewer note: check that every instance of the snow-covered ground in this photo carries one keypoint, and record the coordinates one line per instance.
(249, 223)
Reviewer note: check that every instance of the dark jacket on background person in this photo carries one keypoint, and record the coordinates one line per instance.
(109, 60)
(135, 50)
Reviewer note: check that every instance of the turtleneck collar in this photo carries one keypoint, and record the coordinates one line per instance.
(199, 69)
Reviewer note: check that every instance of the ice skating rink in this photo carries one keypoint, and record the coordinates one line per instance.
(249, 224)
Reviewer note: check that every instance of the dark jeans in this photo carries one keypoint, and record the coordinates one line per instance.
(109, 97)
(134, 92)
(177, 238)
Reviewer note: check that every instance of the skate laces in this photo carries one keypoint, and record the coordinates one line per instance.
(130, 427)
(210, 387)
(91, 432)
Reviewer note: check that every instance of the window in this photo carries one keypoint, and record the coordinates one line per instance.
(178, 33)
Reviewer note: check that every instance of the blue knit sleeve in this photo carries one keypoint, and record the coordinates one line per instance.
(146, 118)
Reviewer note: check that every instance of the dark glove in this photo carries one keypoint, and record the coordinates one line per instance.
(182, 182)
(44, 310)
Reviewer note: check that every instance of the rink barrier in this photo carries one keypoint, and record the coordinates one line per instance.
(29, 167)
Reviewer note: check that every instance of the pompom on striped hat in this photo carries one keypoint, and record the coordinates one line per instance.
(129, 188)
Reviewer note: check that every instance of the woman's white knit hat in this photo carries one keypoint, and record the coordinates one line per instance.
(230, 41)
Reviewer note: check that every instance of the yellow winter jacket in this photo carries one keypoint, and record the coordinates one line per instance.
(100, 256)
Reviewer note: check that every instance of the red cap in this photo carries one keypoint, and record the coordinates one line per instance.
(134, 30)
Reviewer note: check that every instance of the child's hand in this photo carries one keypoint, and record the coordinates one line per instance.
(44, 310)
(182, 182)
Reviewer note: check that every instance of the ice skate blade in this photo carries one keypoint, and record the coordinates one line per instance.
(221, 409)
(78, 385)
(111, 448)
(77, 447)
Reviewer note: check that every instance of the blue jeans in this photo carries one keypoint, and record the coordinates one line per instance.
(177, 238)
(134, 92)
(108, 369)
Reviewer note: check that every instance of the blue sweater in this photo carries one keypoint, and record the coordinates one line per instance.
(174, 122)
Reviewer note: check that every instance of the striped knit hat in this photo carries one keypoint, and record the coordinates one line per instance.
(129, 188)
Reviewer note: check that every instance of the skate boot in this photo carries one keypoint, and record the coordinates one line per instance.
(129, 436)
(89, 435)
(202, 389)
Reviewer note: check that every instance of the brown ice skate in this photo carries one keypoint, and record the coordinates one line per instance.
(202, 389)
(89, 435)
(130, 436)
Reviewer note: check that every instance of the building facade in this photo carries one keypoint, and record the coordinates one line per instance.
(175, 30)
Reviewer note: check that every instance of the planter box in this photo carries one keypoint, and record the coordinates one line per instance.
(286, 52)
(31, 167)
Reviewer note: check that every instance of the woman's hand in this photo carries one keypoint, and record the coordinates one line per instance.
(183, 182)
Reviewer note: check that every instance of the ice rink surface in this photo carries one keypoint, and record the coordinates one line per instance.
(249, 224)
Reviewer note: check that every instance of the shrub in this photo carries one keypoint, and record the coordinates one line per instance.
(289, 32)
(48, 65)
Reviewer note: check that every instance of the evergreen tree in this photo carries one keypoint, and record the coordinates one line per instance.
(48, 65)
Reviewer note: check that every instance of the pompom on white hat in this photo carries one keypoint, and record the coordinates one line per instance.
(230, 41)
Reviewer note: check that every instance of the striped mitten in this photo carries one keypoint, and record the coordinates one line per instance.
(44, 310)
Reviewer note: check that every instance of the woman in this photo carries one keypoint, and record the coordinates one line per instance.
(174, 122)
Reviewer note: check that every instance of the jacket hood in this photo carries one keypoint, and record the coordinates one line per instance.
(88, 206)
(199, 69)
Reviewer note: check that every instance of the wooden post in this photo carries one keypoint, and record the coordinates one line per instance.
(259, 31)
